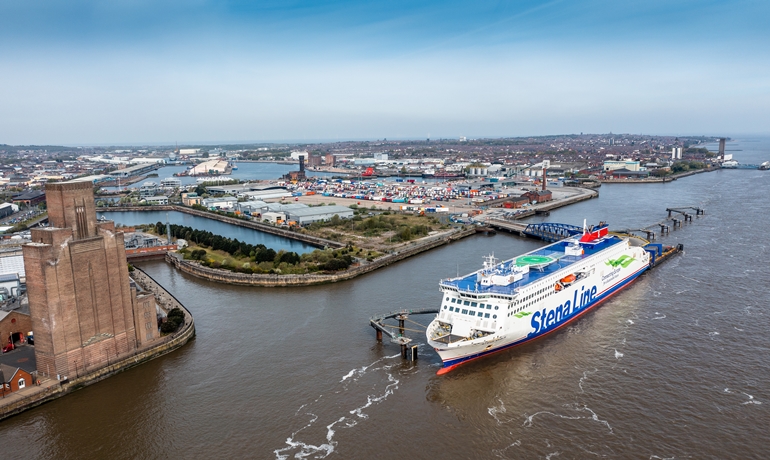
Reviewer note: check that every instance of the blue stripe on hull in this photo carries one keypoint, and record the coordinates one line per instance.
(601, 298)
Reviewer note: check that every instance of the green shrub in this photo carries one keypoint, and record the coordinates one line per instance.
(175, 312)
(168, 326)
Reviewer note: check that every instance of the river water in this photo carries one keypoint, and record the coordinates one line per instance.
(675, 366)
(248, 235)
(246, 171)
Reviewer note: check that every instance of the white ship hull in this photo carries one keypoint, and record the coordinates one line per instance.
(478, 319)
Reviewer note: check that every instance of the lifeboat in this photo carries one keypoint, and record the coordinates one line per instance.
(568, 279)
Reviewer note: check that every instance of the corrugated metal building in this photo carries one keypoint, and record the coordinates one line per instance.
(304, 216)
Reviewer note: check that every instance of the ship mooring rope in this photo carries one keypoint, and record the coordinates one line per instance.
(415, 322)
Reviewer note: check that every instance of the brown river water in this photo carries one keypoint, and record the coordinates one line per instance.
(674, 367)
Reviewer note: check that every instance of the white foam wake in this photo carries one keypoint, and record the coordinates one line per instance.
(496, 411)
(322, 448)
(529, 420)
(585, 377)
(751, 398)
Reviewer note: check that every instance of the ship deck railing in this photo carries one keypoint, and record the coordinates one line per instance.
(468, 284)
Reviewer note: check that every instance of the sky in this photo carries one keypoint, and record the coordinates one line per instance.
(132, 72)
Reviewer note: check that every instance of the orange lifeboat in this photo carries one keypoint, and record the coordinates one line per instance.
(568, 279)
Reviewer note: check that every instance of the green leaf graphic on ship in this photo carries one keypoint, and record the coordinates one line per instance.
(624, 261)
(522, 314)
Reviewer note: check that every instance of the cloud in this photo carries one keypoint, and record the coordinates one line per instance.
(199, 71)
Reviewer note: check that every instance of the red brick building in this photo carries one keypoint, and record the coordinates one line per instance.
(84, 312)
(13, 379)
(516, 202)
(29, 198)
(14, 326)
(540, 196)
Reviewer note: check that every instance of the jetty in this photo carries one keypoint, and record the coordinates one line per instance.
(383, 324)
(397, 332)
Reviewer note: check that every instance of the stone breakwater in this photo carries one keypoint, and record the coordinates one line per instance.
(266, 280)
(311, 240)
(50, 389)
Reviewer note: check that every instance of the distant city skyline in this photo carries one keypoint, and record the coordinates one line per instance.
(130, 73)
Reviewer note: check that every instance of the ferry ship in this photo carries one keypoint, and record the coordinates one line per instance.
(518, 300)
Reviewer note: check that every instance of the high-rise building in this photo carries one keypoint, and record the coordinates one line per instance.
(721, 155)
(84, 312)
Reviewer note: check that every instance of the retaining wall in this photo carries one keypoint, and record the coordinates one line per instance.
(266, 280)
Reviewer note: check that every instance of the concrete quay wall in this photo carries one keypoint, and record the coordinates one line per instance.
(266, 280)
(658, 180)
(586, 194)
(312, 240)
(51, 389)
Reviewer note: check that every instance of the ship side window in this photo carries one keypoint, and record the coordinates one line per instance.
(465, 312)
(481, 305)
(467, 302)
(479, 314)
(473, 304)
(444, 307)
(496, 307)
(494, 316)
(454, 300)
(451, 308)
(486, 315)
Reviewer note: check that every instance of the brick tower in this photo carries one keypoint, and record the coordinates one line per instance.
(84, 312)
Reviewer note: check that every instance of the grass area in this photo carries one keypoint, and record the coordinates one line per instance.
(320, 260)
(376, 231)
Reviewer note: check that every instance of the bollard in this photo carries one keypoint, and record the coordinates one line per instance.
(403, 351)
(379, 335)
(413, 353)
